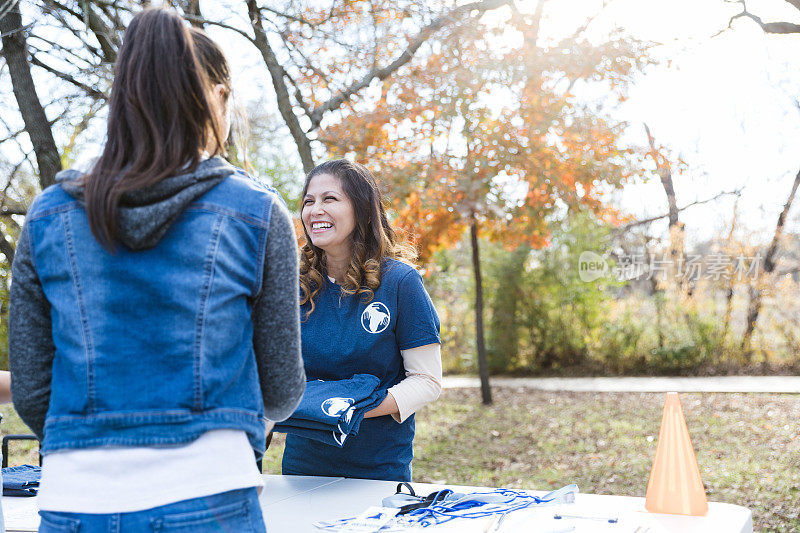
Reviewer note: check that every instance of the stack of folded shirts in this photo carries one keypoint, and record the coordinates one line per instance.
(21, 480)
(330, 411)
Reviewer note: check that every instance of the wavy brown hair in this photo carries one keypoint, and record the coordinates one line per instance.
(160, 114)
(374, 238)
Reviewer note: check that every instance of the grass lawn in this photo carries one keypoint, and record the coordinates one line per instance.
(748, 445)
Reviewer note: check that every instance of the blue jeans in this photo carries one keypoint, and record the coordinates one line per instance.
(234, 511)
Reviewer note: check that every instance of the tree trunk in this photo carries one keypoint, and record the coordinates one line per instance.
(15, 51)
(676, 227)
(754, 308)
(483, 367)
(281, 91)
(658, 297)
(6, 248)
(726, 322)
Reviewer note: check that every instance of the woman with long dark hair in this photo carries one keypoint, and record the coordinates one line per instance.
(364, 311)
(154, 308)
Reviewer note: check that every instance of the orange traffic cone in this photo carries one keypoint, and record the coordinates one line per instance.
(675, 486)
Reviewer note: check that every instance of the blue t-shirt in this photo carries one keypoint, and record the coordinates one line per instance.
(332, 411)
(346, 335)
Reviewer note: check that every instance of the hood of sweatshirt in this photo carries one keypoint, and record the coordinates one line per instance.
(145, 215)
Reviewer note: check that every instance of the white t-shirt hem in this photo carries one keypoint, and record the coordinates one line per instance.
(129, 479)
(157, 499)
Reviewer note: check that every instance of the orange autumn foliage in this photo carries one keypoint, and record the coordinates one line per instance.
(477, 132)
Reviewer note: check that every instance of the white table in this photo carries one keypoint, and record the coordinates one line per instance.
(315, 498)
(291, 504)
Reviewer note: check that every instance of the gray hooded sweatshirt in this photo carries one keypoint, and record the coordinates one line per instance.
(144, 217)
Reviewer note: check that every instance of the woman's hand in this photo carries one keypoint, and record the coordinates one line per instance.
(387, 407)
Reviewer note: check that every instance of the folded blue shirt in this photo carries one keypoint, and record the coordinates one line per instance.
(21, 480)
(330, 411)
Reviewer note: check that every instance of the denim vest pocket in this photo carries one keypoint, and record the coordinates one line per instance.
(53, 522)
(229, 517)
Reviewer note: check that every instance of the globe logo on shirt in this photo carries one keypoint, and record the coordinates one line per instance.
(339, 437)
(375, 317)
(336, 406)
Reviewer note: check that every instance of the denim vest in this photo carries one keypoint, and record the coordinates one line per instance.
(153, 347)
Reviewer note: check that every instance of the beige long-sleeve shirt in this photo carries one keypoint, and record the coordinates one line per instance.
(423, 381)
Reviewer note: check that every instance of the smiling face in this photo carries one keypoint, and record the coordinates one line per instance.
(328, 215)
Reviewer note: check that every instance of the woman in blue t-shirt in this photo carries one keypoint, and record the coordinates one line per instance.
(364, 311)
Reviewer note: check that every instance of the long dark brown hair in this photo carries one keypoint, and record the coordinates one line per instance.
(160, 114)
(374, 238)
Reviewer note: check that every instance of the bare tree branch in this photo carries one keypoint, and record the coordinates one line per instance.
(8, 211)
(196, 19)
(91, 91)
(413, 45)
(57, 7)
(16, 208)
(582, 28)
(297, 19)
(56, 46)
(767, 27)
(627, 227)
(81, 36)
(276, 71)
(298, 95)
(11, 177)
(111, 11)
(292, 48)
(6, 246)
(105, 4)
(104, 34)
(12, 135)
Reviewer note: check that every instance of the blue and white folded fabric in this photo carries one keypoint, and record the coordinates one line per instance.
(22, 480)
(330, 411)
